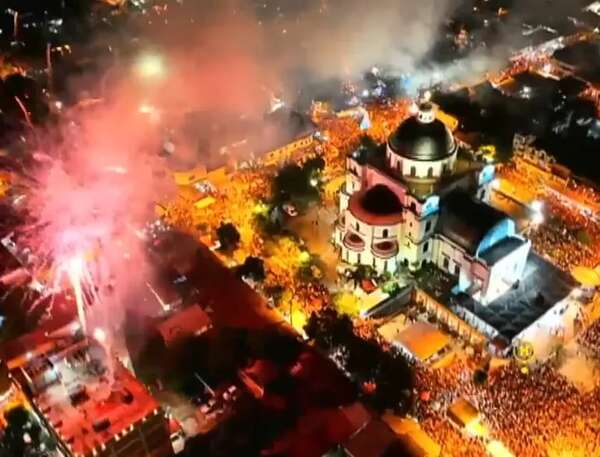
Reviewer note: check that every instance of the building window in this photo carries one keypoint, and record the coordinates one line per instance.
(385, 233)
(446, 263)
(358, 258)
(357, 227)
(427, 226)
(457, 269)
(413, 171)
(430, 172)
(426, 247)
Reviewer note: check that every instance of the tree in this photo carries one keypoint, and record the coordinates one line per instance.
(314, 165)
(19, 422)
(293, 184)
(252, 268)
(329, 329)
(228, 236)
(366, 361)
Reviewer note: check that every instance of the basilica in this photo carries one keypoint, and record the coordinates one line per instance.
(423, 199)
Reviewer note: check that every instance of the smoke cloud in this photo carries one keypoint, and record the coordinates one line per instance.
(221, 58)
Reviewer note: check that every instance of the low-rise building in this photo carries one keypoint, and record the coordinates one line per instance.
(93, 406)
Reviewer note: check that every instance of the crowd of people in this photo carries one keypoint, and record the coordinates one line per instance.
(568, 237)
(589, 340)
(534, 414)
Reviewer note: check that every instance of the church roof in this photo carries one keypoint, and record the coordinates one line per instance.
(466, 221)
(424, 141)
(377, 205)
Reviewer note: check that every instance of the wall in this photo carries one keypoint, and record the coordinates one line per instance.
(505, 273)
(422, 169)
(445, 315)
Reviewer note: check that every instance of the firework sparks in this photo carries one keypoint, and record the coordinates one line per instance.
(75, 272)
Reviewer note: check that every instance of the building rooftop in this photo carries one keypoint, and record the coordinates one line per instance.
(421, 339)
(542, 286)
(466, 221)
(377, 205)
(462, 412)
(426, 141)
(584, 57)
(464, 175)
(188, 322)
(528, 84)
(501, 249)
(373, 440)
(86, 397)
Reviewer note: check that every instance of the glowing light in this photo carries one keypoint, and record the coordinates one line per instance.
(314, 182)
(99, 335)
(497, 449)
(150, 66)
(75, 272)
(304, 257)
(152, 112)
(537, 205)
(427, 95)
(118, 170)
(537, 219)
(496, 184)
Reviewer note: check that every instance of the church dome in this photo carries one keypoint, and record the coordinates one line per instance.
(423, 137)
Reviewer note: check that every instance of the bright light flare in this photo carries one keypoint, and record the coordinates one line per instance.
(151, 111)
(151, 66)
(537, 219)
(75, 272)
(99, 335)
(537, 206)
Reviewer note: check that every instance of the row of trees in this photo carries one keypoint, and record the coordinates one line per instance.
(384, 376)
(23, 436)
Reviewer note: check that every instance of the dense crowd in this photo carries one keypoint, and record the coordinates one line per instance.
(534, 414)
(589, 340)
(569, 237)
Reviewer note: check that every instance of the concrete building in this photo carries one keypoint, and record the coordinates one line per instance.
(421, 199)
(93, 406)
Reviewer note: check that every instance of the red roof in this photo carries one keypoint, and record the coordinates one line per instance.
(184, 324)
(363, 212)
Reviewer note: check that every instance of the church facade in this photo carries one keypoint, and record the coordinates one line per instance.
(422, 199)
